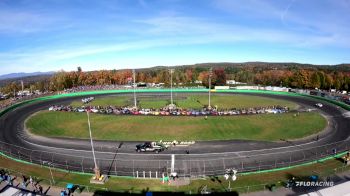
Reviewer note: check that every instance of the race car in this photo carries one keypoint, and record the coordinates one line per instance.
(150, 147)
(320, 105)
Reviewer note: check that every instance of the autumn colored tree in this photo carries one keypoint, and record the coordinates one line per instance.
(219, 77)
(255, 74)
(189, 75)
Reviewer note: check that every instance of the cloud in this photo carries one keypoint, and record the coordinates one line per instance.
(285, 12)
(22, 22)
(251, 22)
(167, 31)
(261, 9)
(198, 30)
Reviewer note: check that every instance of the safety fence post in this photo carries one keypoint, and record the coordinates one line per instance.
(275, 163)
(204, 168)
(30, 156)
(223, 163)
(115, 167)
(82, 165)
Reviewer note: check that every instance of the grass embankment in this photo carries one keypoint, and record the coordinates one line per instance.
(254, 181)
(191, 101)
(269, 127)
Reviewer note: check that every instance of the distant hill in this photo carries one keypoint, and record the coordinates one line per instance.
(256, 65)
(27, 79)
(23, 75)
(345, 67)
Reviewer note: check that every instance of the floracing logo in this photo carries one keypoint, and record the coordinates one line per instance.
(311, 183)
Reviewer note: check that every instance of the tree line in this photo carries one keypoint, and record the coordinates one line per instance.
(294, 76)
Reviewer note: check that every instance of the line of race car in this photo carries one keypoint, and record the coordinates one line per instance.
(170, 112)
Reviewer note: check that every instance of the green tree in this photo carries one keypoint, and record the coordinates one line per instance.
(315, 80)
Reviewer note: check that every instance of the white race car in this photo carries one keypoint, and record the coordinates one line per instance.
(320, 105)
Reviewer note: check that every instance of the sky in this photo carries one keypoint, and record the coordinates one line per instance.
(52, 35)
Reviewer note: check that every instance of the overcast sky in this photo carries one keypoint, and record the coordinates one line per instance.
(49, 35)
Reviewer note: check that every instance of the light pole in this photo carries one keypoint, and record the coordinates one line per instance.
(50, 165)
(133, 73)
(96, 169)
(53, 180)
(22, 85)
(171, 86)
(210, 74)
(230, 173)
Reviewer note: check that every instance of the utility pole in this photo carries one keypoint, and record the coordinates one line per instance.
(171, 86)
(210, 74)
(134, 84)
(96, 169)
(22, 85)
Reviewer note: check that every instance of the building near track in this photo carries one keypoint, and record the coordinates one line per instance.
(265, 88)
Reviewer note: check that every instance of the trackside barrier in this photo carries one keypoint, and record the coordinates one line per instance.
(194, 167)
(62, 182)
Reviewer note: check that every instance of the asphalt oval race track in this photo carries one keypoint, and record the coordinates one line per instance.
(205, 158)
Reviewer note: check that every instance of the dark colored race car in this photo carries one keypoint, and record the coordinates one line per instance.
(150, 147)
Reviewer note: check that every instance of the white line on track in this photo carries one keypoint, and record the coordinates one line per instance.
(198, 154)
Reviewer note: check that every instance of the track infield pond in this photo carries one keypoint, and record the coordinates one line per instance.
(266, 127)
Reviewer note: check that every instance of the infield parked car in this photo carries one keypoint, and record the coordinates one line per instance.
(320, 105)
(109, 111)
(116, 111)
(126, 111)
(271, 111)
(135, 112)
(214, 113)
(145, 111)
(150, 147)
(94, 110)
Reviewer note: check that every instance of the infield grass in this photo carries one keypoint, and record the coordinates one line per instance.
(267, 127)
(191, 101)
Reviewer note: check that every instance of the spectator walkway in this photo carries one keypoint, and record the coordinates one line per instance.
(17, 188)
